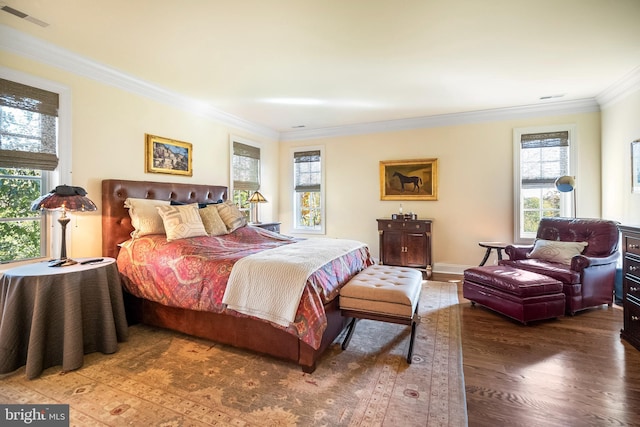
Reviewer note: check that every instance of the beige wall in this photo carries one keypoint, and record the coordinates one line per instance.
(475, 167)
(620, 126)
(108, 129)
(475, 163)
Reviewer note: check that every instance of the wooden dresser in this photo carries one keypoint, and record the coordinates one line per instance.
(631, 284)
(406, 243)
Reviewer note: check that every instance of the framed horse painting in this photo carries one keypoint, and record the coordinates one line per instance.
(409, 179)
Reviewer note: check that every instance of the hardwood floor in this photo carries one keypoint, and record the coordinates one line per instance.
(572, 371)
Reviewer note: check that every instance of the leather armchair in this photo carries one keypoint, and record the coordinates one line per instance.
(590, 278)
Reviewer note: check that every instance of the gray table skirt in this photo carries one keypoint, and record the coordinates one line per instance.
(53, 316)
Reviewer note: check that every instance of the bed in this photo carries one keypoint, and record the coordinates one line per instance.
(318, 320)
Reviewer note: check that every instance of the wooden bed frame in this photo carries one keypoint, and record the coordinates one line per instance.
(242, 332)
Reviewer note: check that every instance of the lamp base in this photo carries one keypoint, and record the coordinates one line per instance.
(62, 262)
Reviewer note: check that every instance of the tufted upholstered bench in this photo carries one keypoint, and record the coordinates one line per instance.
(522, 295)
(384, 293)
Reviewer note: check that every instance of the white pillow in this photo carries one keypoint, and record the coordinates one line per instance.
(555, 251)
(182, 221)
(144, 216)
(231, 215)
(213, 224)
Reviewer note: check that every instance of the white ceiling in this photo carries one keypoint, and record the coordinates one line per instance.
(332, 63)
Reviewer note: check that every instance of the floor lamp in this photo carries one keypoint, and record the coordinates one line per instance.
(565, 184)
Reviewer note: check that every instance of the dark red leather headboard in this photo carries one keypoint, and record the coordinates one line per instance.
(116, 223)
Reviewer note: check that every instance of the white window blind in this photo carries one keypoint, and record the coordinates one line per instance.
(307, 171)
(28, 127)
(246, 167)
(543, 158)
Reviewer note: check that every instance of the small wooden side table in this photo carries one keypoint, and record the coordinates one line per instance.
(498, 246)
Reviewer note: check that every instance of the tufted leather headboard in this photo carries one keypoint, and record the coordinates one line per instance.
(116, 223)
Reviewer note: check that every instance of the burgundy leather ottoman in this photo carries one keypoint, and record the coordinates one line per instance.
(519, 294)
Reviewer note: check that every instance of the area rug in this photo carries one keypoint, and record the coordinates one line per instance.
(162, 378)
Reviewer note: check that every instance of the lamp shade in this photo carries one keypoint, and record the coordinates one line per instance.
(257, 197)
(66, 198)
(565, 184)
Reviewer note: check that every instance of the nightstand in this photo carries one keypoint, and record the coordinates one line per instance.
(271, 226)
(54, 315)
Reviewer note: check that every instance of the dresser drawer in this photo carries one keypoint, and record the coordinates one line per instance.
(632, 287)
(632, 245)
(413, 226)
(632, 266)
(632, 319)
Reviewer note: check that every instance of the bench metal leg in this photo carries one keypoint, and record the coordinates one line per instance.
(351, 327)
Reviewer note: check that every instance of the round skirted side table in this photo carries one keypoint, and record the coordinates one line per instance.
(54, 315)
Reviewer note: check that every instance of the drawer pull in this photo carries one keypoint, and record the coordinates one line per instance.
(633, 268)
(634, 246)
(635, 318)
(634, 289)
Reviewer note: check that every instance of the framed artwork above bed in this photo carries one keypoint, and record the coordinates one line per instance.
(163, 155)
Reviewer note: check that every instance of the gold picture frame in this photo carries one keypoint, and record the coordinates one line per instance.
(409, 179)
(163, 155)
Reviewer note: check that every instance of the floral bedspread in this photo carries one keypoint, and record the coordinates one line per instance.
(193, 273)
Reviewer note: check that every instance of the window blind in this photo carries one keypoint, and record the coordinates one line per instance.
(544, 158)
(28, 127)
(246, 167)
(307, 171)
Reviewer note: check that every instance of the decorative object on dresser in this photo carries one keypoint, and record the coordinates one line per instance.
(409, 179)
(256, 198)
(635, 166)
(64, 198)
(271, 226)
(406, 243)
(631, 284)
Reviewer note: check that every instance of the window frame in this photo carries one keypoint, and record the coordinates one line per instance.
(246, 210)
(296, 228)
(566, 199)
(52, 237)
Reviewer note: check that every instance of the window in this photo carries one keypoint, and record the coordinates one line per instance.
(245, 174)
(29, 148)
(541, 155)
(308, 177)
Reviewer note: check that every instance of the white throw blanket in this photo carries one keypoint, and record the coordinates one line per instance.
(269, 284)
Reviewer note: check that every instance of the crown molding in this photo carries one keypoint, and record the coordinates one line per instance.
(588, 105)
(620, 89)
(22, 44)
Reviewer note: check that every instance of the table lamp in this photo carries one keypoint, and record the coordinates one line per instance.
(254, 200)
(565, 184)
(64, 198)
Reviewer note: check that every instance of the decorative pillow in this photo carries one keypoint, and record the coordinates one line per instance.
(181, 222)
(231, 215)
(144, 216)
(213, 224)
(555, 251)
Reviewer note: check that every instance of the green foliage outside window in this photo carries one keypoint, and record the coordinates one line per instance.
(20, 228)
(240, 198)
(534, 209)
(310, 213)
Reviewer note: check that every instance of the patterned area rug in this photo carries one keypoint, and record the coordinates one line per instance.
(162, 378)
